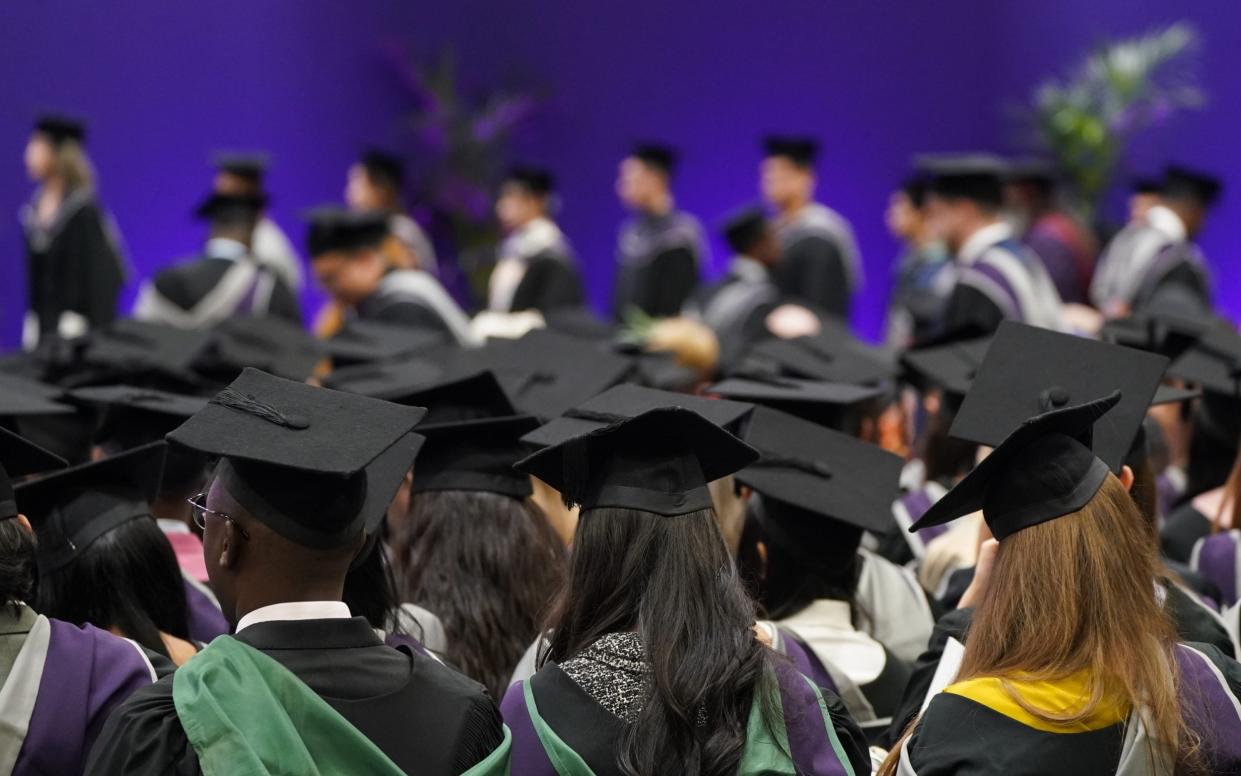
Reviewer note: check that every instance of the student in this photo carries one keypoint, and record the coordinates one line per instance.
(660, 250)
(923, 272)
(1066, 248)
(345, 254)
(227, 280)
(58, 682)
(242, 174)
(819, 261)
(374, 185)
(303, 472)
(1071, 665)
(535, 268)
(654, 665)
(75, 263)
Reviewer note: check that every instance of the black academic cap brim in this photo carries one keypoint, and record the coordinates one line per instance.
(384, 476)
(820, 402)
(1214, 364)
(950, 368)
(361, 341)
(457, 400)
(831, 356)
(21, 397)
(388, 380)
(268, 343)
(20, 457)
(143, 399)
(475, 455)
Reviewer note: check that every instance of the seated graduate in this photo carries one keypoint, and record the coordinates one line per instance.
(819, 261)
(654, 664)
(1156, 260)
(1066, 247)
(923, 272)
(535, 267)
(348, 261)
(863, 620)
(242, 174)
(473, 548)
(371, 591)
(58, 682)
(102, 559)
(660, 250)
(1071, 665)
(303, 472)
(374, 185)
(226, 280)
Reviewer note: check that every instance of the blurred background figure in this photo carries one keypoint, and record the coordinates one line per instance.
(1067, 248)
(374, 184)
(242, 174)
(923, 271)
(536, 268)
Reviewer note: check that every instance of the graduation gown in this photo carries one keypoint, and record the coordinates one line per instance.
(60, 682)
(75, 269)
(658, 259)
(1152, 262)
(426, 718)
(819, 261)
(1218, 557)
(1182, 530)
(203, 614)
(272, 247)
(736, 307)
(226, 281)
(1066, 251)
(924, 279)
(535, 271)
(412, 297)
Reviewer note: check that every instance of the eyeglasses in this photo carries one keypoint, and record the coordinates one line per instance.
(199, 503)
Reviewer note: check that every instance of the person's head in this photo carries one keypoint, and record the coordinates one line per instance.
(374, 182)
(1190, 194)
(787, 171)
(1143, 196)
(525, 195)
(370, 588)
(346, 253)
(55, 151)
(1029, 189)
(964, 195)
(232, 216)
(905, 217)
(644, 179)
(239, 175)
(17, 560)
(749, 234)
(945, 456)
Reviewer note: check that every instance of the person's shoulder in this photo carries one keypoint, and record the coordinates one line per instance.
(438, 678)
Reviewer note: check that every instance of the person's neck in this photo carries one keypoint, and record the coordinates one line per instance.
(52, 186)
(659, 206)
(793, 206)
(976, 225)
(269, 592)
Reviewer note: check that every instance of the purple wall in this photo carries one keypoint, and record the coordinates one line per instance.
(165, 84)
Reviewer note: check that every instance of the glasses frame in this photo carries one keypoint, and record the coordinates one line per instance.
(199, 515)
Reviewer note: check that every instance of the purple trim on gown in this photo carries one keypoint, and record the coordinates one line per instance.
(527, 754)
(806, 661)
(398, 640)
(997, 277)
(205, 619)
(1212, 711)
(88, 672)
(1217, 561)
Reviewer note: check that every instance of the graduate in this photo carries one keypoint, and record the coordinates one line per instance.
(1156, 261)
(75, 261)
(374, 184)
(1066, 247)
(654, 659)
(535, 268)
(58, 681)
(819, 260)
(347, 259)
(661, 250)
(242, 174)
(996, 277)
(304, 471)
(923, 272)
(1071, 665)
(227, 280)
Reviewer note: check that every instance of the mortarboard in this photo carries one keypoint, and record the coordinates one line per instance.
(801, 151)
(833, 355)
(659, 461)
(664, 372)
(1159, 331)
(331, 229)
(1031, 169)
(950, 368)
(230, 207)
(915, 189)
(383, 166)
(60, 128)
(360, 341)
(536, 180)
(386, 379)
(816, 401)
(1184, 183)
(659, 157)
(20, 457)
(263, 342)
(977, 177)
(1030, 370)
(1045, 469)
(1146, 185)
(244, 164)
(34, 410)
(21, 396)
(744, 228)
(1214, 365)
(130, 350)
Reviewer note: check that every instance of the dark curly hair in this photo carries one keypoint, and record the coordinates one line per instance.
(17, 563)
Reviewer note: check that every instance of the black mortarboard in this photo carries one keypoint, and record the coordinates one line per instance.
(833, 355)
(915, 187)
(299, 457)
(625, 402)
(230, 207)
(659, 461)
(660, 157)
(249, 165)
(1045, 469)
(536, 180)
(472, 397)
(331, 229)
(801, 151)
(72, 508)
(816, 401)
(1184, 183)
(1031, 170)
(744, 228)
(1213, 363)
(580, 322)
(1146, 185)
(20, 457)
(360, 341)
(60, 128)
(950, 368)
(21, 396)
(822, 471)
(34, 410)
(664, 372)
(386, 379)
(129, 350)
(1159, 331)
(1029, 370)
(977, 177)
(265, 342)
(383, 166)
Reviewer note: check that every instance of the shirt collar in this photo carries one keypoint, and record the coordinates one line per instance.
(296, 610)
(984, 238)
(748, 269)
(224, 248)
(1168, 222)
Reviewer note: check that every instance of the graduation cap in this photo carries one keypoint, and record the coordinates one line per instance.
(1146, 185)
(950, 368)
(383, 166)
(20, 396)
(822, 471)
(472, 397)
(1214, 365)
(360, 341)
(72, 508)
(664, 372)
(1030, 370)
(1160, 331)
(579, 322)
(659, 157)
(1045, 469)
(816, 401)
(1185, 183)
(60, 128)
(915, 187)
(263, 342)
(833, 355)
(331, 229)
(143, 400)
(744, 228)
(659, 461)
(128, 350)
(34, 410)
(300, 458)
(19, 457)
(1031, 170)
(386, 379)
(977, 177)
(230, 207)
(536, 180)
(249, 165)
(801, 151)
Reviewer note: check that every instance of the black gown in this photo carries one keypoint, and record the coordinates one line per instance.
(425, 717)
(819, 265)
(551, 282)
(415, 299)
(736, 308)
(658, 259)
(185, 286)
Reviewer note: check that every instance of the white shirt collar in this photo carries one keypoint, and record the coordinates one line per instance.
(984, 238)
(748, 269)
(172, 526)
(224, 248)
(296, 610)
(1168, 222)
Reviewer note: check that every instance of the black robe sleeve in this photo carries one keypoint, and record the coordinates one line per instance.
(550, 282)
(954, 624)
(284, 303)
(408, 312)
(1183, 528)
(86, 273)
(663, 285)
(1194, 623)
(852, 740)
(813, 271)
(970, 313)
(144, 736)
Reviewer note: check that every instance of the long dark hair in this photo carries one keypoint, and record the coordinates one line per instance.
(17, 563)
(486, 565)
(671, 580)
(127, 579)
(370, 589)
(946, 457)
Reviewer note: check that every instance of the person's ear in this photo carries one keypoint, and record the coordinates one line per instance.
(761, 548)
(1126, 477)
(24, 523)
(230, 545)
(745, 493)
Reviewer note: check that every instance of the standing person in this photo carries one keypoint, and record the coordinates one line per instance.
(819, 263)
(238, 174)
(1157, 260)
(996, 277)
(924, 273)
(1066, 247)
(303, 471)
(661, 249)
(535, 269)
(75, 263)
(227, 280)
(374, 184)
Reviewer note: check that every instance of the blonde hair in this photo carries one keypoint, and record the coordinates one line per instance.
(74, 166)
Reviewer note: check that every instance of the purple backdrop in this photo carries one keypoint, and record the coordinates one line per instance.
(165, 84)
